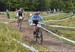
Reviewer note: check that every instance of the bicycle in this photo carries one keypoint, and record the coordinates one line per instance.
(20, 19)
(38, 36)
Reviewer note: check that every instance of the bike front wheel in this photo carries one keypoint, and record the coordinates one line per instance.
(19, 24)
(40, 37)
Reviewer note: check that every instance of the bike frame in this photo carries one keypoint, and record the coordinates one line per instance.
(19, 23)
(38, 30)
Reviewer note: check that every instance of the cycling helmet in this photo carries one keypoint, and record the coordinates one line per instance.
(36, 13)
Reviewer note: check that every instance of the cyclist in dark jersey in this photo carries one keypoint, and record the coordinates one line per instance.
(20, 15)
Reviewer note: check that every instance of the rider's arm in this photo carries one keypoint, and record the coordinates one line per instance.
(30, 20)
(17, 14)
(42, 20)
(23, 14)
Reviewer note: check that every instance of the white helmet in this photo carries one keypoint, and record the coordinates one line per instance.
(36, 13)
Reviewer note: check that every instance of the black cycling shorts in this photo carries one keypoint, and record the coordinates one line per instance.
(35, 22)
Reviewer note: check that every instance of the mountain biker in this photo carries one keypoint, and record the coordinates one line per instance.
(35, 19)
(20, 15)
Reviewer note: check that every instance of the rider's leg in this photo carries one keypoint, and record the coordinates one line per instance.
(18, 21)
(21, 22)
(35, 26)
(34, 29)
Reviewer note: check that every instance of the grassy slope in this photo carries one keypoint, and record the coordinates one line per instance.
(8, 45)
(6, 42)
(59, 16)
(66, 33)
(69, 22)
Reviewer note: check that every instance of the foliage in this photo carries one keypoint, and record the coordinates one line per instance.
(33, 5)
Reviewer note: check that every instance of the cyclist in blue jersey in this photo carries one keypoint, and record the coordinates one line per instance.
(35, 19)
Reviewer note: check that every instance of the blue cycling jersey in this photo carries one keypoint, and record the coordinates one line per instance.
(36, 18)
(39, 18)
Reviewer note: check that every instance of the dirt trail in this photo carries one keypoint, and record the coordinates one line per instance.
(53, 44)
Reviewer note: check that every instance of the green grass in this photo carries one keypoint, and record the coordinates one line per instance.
(6, 42)
(70, 34)
(69, 22)
(59, 16)
(8, 45)
(11, 14)
(65, 32)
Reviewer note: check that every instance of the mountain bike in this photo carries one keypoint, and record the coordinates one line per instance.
(38, 36)
(20, 19)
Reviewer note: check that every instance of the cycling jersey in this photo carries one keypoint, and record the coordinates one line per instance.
(35, 19)
(20, 14)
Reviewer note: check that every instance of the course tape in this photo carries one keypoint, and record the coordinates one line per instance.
(26, 46)
(61, 37)
(59, 20)
(57, 26)
(52, 15)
